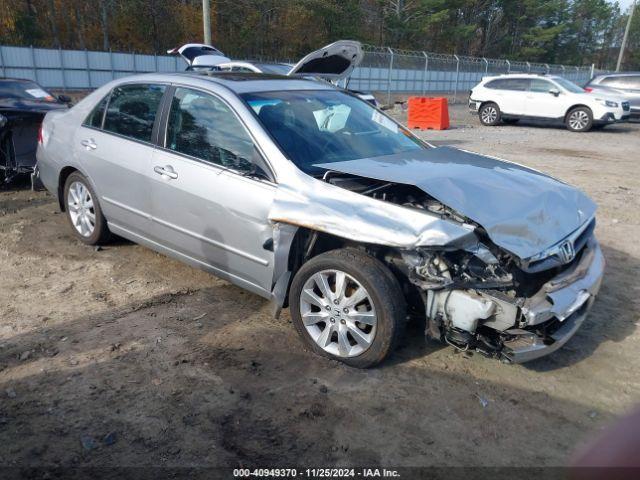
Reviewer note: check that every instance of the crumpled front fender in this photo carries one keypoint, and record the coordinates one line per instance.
(326, 208)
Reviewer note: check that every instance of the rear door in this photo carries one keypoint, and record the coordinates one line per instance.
(115, 146)
(542, 103)
(509, 94)
(211, 191)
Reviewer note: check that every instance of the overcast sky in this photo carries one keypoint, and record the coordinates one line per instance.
(624, 4)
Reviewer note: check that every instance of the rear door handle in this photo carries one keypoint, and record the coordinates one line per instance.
(89, 144)
(166, 171)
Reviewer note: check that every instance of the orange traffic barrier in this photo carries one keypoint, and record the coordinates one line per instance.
(428, 113)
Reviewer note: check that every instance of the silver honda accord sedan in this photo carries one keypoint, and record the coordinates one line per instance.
(312, 198)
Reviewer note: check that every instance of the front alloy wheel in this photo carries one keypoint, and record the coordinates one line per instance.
(338, 313)
(579, 120)
(348, 306)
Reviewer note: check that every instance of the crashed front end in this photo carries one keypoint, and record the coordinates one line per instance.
(499, 259)
(488, 301)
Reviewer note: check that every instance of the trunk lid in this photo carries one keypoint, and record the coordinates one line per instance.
(199, 55)
(331, 62)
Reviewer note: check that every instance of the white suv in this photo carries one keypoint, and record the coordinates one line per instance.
(509, 98)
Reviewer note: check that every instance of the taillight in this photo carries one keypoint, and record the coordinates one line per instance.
(588, 89)
(40, 137)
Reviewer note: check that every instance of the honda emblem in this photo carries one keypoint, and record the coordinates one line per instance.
(567, 252)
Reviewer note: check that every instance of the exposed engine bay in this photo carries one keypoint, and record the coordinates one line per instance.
(480, 297)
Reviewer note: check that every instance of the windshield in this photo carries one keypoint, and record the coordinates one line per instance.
(568, 85)
(325, 126)
(24, 90)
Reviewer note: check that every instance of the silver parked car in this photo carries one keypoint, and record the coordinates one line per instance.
(312, 198)
(626, 85)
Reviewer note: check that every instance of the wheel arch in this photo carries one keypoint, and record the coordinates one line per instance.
(486, 102)
(308, 243)
(62, 179)
(573, 107)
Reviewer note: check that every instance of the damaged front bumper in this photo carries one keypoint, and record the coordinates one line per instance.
(557, 311)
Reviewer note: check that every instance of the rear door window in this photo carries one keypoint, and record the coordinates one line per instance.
(132, 110)
(517, 84)
(496, 84)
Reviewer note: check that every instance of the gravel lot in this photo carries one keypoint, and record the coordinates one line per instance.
(124, 357)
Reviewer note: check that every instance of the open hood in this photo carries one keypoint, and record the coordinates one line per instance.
(199, 55)
(332, 62)
(522, 210)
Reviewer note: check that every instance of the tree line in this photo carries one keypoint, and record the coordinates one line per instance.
(577, 32)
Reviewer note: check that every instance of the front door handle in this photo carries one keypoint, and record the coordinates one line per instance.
(166, 171)
(89, 144)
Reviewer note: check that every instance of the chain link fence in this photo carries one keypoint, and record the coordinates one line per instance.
(389, 71)
(384, 70)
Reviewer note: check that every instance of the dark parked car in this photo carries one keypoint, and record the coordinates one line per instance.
(23, 104)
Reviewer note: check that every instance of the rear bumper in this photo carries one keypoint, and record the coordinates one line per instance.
(556, 313)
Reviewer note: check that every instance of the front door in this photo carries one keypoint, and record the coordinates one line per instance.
(545, 99)
(210, 193)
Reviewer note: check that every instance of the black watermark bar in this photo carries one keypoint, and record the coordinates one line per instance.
(319, 473)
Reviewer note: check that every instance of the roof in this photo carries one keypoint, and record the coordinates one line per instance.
(616, 74)
(524, 75)
(238, 82)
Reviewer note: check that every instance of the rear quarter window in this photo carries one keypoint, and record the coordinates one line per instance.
(94, 119)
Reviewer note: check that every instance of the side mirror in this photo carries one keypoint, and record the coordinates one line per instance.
(64, 98)
(555, 92)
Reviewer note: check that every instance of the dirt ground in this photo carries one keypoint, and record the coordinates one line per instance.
(124, 357)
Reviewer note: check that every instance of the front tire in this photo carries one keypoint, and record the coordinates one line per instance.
(347, 305)
(83, 211)
(579, 119)
(489, 114)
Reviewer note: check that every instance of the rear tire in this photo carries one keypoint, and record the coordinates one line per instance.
(579, 119)
(83, 211)
(347, 305)
(490, 114)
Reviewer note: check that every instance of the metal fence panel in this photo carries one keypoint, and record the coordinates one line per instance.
(383, 70)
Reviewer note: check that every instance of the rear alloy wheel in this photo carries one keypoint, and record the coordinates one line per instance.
(346, 305)
(83, 211)
(579, 119)
(490, 114)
